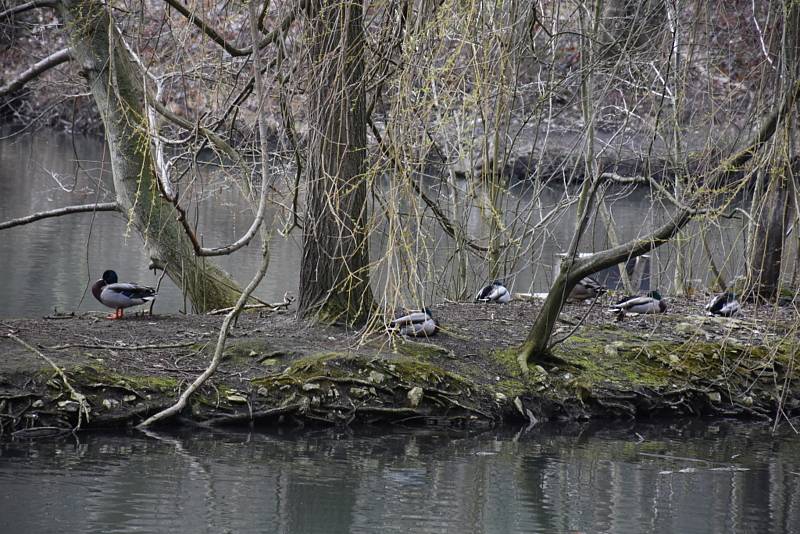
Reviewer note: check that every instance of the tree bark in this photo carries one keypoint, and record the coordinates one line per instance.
(771, 220)
(115, 81)
(334, 275)
(771, 208)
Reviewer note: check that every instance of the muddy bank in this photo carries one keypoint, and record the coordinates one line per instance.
(280, 371)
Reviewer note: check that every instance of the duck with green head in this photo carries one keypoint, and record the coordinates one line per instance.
(120, 295)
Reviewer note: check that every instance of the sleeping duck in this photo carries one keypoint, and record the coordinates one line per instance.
(651, 303)
(120, 295)
(495, 292)
(724, 304)
(415, 323)
(587, 288)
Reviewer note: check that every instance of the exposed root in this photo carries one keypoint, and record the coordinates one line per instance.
(83, 405)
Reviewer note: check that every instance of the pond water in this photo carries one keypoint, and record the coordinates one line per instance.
(670, 477)
(51, 263)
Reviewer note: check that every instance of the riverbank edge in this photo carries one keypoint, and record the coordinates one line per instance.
(604, 372)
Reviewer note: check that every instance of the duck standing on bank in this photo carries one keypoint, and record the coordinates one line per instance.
(587, 288)
(415, 323)
(495, 292)
(120, 295)
(724, 305)
(651, 303)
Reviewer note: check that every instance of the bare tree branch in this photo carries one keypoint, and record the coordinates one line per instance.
(84, 208)
(27, 7)
(240, 303)
(213, 34)
(53, 60)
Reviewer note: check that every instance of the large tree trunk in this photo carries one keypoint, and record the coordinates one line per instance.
(771, 201)
(115, 81)
(334, 276)
(771, 218)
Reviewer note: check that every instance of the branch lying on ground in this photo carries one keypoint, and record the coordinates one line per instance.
(121, 347)
(53, 60)
(287, 300)
(84, 208)
(83, 405)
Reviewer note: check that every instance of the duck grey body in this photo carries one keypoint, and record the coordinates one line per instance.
(415, 323)
(587, 288)
(651, 303)
(120, 295)
(495, 292)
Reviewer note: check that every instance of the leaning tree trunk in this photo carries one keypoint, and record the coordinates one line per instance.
(334, 276)
(115, 81)
(537, 344)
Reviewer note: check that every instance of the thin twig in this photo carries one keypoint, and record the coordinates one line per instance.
(571, 332)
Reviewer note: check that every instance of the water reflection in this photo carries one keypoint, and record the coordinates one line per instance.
(50, 263)
(695, 477)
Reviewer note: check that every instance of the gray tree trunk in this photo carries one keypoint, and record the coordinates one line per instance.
(771, 213)
(334, 275)
(115, 81)
(771, 209)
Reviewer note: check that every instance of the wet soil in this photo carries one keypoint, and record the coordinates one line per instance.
(279, 370)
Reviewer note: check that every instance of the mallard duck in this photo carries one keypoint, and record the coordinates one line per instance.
(120, 295)
(724, 304)
(495, 292)
(651, 303)
(587, 288)
(416, 323)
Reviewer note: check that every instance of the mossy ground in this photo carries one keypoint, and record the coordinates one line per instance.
(279, 369)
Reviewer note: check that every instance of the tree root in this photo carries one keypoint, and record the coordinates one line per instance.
(83, 405)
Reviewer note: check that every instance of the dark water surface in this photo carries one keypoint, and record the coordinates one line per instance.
(671, 477)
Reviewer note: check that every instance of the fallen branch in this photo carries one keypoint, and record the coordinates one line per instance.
(287, 300)
(80, 398)
(84, 208)
(121, 347)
